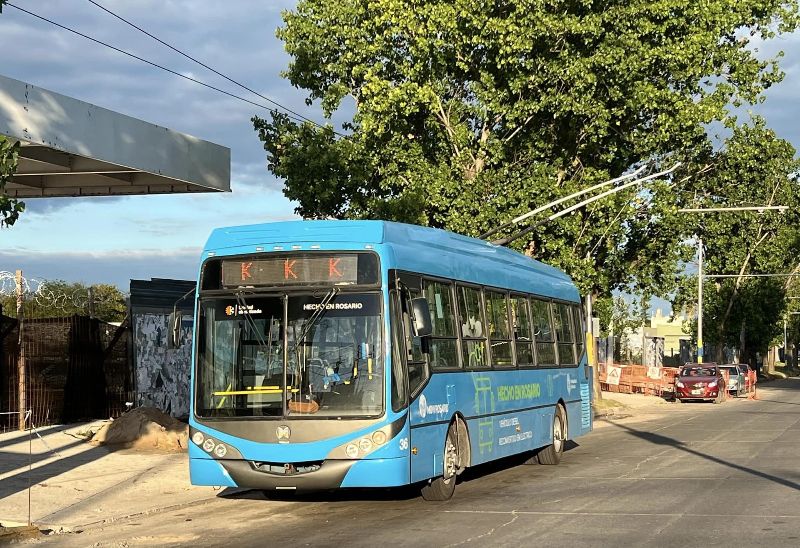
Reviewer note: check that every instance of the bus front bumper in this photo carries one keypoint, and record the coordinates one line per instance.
(331, 474)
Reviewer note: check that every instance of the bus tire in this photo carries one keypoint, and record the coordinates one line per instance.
(552, 453)
(443, 487)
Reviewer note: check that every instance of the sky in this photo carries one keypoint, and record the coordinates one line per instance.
(113, 240)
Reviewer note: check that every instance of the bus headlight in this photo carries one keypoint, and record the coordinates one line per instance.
(220, 450)
(379, 437)
(365, 444)
(208, 445)
(351, 450)
(198, 438)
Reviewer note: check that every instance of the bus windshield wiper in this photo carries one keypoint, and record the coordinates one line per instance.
(318, 313)
(240, 300)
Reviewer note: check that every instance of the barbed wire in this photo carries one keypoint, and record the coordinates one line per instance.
(49, 295)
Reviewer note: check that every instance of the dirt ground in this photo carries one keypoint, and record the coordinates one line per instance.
(630, 407)
(144, 428)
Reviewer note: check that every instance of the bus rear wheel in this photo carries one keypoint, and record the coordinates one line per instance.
(443, 487)
(552, 453)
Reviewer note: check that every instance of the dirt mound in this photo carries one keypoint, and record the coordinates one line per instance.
(144, 428)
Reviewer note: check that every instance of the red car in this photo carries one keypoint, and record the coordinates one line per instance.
(700, 382)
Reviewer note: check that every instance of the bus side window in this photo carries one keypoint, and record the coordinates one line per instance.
(417, 367)
(521, 324)
(443, 343)
(543, 333)
(499, 332)
(473, 332)
(565, 333)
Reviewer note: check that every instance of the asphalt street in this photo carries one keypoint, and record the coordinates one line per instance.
(700, 475)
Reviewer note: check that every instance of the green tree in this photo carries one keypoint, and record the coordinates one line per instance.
(10, 209)
(470, 112)
(9, 151)
(753, 168)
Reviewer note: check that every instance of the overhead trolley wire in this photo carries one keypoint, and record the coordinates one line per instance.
(294, 116)
(215, 71)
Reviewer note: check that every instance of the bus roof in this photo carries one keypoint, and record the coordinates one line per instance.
(408, 247)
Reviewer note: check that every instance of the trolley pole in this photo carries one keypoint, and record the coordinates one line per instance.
(21, 373)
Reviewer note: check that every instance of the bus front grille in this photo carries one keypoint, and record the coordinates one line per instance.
(286, 468)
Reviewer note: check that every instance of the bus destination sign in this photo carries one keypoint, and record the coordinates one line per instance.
(300, 270)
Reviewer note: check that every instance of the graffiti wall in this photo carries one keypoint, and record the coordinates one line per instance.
(162, 373)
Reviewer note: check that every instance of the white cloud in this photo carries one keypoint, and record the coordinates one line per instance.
(116, 268)
(63, 236)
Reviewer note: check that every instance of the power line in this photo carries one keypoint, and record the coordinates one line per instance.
(151, 63)
(215, 71)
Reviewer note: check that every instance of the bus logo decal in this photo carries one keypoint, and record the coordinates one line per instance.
(434, 409)
(283, 433)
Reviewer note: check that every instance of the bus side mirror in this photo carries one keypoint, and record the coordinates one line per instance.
(422, 317)
(174, 335)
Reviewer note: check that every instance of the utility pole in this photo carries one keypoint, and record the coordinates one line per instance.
(22, 380)
(700, 300)
(760, 210)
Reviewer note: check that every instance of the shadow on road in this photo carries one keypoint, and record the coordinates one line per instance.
(659, 439)
(781, 402)
(387, 494)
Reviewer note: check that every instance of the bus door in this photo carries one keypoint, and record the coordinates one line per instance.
(417, 374)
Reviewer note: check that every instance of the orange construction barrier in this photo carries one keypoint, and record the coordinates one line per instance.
(633, 379)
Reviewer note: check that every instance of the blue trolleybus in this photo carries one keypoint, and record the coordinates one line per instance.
(335, 354)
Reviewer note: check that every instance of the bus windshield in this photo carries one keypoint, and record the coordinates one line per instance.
(327, 361)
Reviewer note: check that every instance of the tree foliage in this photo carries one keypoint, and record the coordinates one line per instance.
(9, 209)
(467, 113)
(753, 168)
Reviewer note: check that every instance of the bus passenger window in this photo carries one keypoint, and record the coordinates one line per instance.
(499, 333)
(543, 333)
(565, 333)
(521, 318)
(443, 347)
(472, 332)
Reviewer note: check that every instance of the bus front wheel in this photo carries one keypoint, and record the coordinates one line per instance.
(552, 453)
(443, 487)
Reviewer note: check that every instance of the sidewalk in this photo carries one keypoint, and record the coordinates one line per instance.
(86, 484)
(630, 407)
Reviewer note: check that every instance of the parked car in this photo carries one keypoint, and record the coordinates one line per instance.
(700, 382)
(736, 379)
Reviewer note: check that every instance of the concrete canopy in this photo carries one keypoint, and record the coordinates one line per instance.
(73, 148)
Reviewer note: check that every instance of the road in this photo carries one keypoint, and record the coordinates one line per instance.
(702, 475)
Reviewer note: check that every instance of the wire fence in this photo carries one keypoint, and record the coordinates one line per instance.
(70, 357)
(45, 298)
